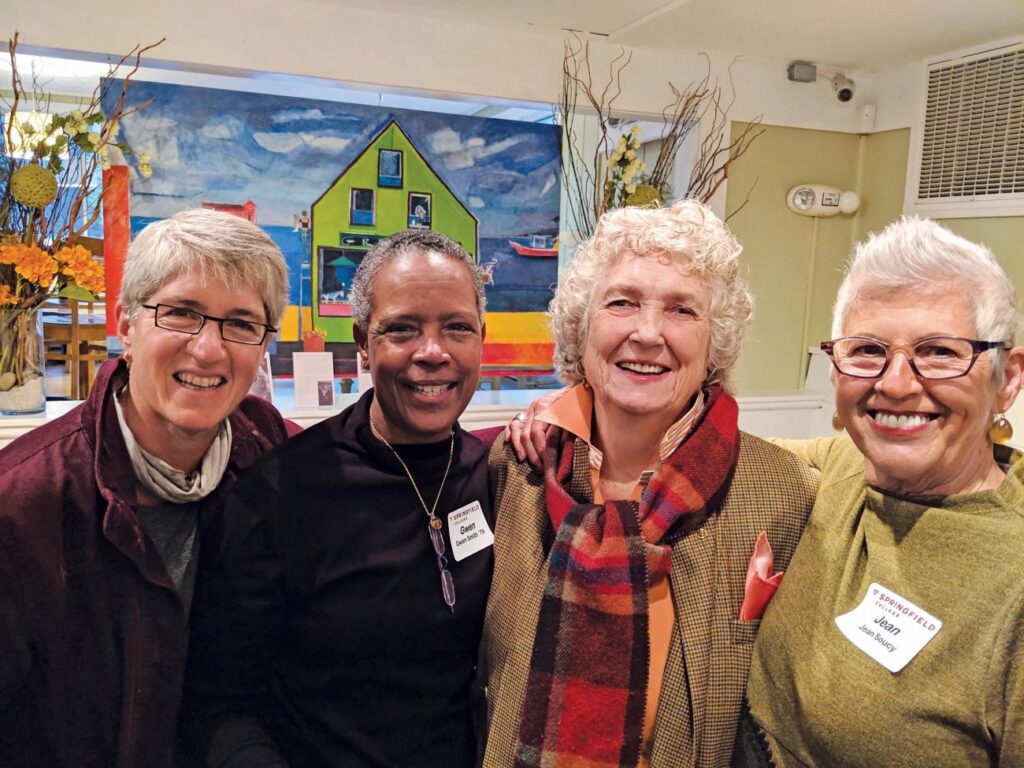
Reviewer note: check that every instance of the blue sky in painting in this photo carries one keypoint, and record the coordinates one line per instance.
(282, 153)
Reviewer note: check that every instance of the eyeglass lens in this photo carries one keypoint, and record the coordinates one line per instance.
(936, 358)
(231, 329)
(447, 582)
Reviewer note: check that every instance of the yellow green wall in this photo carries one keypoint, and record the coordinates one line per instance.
(883, 179)
(795, 271)
(1004, 235)
(780, 248)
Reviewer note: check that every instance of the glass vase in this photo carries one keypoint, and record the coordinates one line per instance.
(22, 362)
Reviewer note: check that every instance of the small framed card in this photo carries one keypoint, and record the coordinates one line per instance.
(263, 384)
(314, 379)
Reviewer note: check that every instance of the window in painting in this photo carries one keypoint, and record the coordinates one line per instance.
(419, 210)
(337, 269)
(389, 168)
(361, 207)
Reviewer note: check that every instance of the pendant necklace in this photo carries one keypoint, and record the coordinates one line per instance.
(434, 522)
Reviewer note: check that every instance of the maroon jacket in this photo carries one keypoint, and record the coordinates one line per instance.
(92, 632)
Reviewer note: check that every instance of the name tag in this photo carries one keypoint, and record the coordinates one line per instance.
(468, 531)
(888, 628)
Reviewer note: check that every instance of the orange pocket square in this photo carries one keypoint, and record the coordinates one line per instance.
(761, 582)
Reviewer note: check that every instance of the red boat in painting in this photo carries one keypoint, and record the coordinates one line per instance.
(540, 247)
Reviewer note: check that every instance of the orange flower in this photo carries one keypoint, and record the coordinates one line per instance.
(31, 262)
(6, 297)
(77, 263)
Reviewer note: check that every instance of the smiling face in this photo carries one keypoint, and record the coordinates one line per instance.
(647, 344)
(923, 437)
(423, 346)
(182, 386)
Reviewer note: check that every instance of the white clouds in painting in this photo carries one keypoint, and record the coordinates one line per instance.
(278, 142)
(458, 154)
(293, 115)
(327, 143)
(283, 143)
(477, 202)
(144, 124)
(497, 147)
(155, 135)
(548, 184)
(222, 128)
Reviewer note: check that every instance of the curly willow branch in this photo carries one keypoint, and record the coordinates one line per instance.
(585, 175)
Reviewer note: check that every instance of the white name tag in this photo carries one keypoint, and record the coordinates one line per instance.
(888, 628)
(468, 531)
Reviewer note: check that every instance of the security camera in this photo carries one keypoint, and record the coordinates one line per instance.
(843, 86)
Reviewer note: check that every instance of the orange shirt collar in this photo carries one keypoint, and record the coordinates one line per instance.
(574, 412)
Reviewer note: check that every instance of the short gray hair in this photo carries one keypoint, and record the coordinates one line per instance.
(207, 243)
(410, 241)
(688, 234)
(912, 254)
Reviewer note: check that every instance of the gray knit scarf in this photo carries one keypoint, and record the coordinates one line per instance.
(170, 484)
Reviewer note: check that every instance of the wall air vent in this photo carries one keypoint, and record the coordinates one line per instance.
(967, 156)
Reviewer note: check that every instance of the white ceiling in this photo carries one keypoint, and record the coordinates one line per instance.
(856, 34)
(864, 35)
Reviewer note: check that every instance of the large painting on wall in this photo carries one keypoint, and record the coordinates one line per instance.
(326, 180)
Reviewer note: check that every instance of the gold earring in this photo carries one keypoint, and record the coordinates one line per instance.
(837, 423)
(1001, 430)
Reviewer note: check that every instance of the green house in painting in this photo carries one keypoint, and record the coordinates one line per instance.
(389, 187)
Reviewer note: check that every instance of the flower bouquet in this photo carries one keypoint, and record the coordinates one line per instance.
(624, 167)
(49, 177)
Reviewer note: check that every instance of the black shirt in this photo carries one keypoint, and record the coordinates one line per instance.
(319, 621)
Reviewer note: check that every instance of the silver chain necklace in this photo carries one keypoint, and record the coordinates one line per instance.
(434, 523)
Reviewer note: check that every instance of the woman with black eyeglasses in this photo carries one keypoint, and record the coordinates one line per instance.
(101, 509)
(341, 609)
(897, 636)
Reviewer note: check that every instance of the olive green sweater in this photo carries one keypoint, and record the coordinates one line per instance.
(960, 701)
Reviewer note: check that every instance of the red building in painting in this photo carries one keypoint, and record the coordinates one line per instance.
(246, 210)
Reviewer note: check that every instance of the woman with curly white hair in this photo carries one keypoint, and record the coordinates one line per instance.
(630, 575)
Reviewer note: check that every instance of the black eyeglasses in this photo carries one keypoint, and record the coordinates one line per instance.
(936, 357)
(447, 582)
(234, 329)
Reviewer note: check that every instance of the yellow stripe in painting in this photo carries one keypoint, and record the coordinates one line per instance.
(502, 327)
(517, 328)
(290, 322)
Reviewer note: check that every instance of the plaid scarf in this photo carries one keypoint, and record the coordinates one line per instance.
(587, 685)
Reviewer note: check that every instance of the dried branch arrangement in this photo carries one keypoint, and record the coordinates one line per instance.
(48, 200)
(49, 163)
(611, 174)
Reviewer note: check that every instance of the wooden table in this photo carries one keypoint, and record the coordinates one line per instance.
(83, 341)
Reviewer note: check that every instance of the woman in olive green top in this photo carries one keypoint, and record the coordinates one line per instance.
(897, 636)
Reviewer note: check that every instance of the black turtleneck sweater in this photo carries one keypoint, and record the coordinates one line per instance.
(320, 635)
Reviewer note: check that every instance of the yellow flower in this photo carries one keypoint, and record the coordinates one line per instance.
(77, 263)
(31, 262)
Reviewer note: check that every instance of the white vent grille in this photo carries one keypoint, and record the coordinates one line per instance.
(971, 148)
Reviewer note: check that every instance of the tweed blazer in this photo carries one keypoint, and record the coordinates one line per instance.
(709, 654)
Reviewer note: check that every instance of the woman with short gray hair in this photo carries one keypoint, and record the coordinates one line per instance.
(102, 508)
(897, 637)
